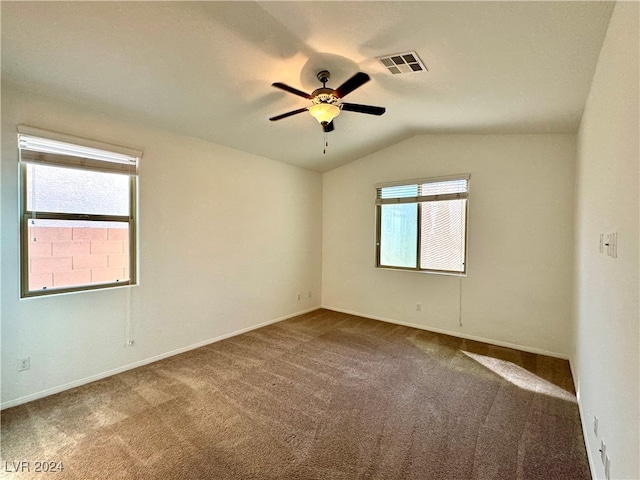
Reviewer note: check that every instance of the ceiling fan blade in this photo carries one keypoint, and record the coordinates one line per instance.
(289, 89)
(350, 85)
(370, 109)
(329, 127)
(288, 114)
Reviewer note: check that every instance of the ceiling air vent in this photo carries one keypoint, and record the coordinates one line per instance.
(407, 62)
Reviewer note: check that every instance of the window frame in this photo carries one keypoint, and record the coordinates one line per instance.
(78, 163)
(419, 201)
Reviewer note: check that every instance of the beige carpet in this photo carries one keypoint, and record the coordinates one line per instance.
(321, 396)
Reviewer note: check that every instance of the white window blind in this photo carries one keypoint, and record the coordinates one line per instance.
(423, 190)
(42, 147)
(443, 235)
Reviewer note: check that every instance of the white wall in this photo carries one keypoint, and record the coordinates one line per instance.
(520, 240)
(606, 358)
(227, 240)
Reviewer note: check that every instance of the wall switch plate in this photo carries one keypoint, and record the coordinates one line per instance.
(418, 307)
(611, 242)
(613, 245)
(24, 364)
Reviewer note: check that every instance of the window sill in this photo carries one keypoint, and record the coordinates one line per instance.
(430, 272)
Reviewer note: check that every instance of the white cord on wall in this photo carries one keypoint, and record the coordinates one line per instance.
(460, 305)
(130, 338)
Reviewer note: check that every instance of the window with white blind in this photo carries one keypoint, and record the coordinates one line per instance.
(78, 213)
(422, 225)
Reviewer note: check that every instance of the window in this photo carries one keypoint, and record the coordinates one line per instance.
(78, 213)
(422, 225)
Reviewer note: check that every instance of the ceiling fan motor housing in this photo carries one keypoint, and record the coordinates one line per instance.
(325, 95)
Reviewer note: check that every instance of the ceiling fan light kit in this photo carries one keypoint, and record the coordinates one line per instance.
(324, 113)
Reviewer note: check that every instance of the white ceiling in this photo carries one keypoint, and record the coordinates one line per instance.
(204, 69)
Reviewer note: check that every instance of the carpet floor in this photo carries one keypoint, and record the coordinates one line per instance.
(324, 395)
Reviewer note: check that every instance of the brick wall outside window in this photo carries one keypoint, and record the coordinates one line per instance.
(71, 256)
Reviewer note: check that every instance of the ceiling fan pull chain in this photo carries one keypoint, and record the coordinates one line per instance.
(326, 144)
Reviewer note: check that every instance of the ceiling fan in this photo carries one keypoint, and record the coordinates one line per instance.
(326, 102)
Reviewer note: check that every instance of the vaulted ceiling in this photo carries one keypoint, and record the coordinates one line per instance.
(205, 69)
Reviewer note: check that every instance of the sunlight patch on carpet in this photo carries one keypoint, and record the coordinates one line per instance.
(521, 377)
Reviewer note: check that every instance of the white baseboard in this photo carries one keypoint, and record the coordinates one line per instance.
(140, 363)
(583, 421)
(490, 341)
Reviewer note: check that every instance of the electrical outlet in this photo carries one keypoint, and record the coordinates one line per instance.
(595, 425)
(299, 296)
(418, 307)
(24, 364)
